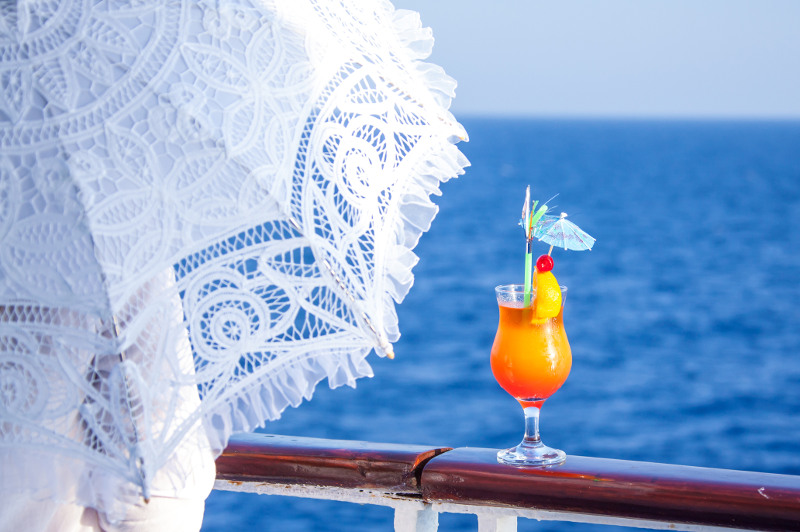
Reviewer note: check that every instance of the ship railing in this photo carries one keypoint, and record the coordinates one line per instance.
(420, 482)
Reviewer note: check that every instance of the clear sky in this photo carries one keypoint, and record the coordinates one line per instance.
(628, 58)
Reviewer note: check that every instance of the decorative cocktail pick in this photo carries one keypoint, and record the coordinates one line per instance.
(530, 219)
(554, 230)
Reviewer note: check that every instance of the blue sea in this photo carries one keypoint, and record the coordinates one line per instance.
(684, 320)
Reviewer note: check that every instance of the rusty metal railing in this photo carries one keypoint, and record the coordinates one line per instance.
(420, 482)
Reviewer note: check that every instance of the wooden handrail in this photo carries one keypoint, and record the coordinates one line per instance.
(470, 477)
(618, 488)
(289, 460)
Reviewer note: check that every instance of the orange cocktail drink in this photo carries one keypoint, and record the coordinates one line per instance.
(531, 357)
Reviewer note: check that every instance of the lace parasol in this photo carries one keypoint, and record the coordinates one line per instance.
(206, 208)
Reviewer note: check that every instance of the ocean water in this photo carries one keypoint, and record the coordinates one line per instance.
(684, 320)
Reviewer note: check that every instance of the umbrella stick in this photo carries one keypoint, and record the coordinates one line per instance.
(550, 250)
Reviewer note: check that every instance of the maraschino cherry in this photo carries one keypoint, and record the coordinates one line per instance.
(544, 263)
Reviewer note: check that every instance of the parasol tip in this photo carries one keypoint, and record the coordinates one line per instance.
(385, 346)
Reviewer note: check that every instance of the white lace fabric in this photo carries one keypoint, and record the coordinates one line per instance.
(205, 209)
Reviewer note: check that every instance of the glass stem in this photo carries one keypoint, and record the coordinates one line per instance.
(531, 425)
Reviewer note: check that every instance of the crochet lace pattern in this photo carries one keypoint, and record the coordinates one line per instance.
(206, 208)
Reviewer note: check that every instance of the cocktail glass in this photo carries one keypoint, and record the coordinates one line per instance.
(531, 359)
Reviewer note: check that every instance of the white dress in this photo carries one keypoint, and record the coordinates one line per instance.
(174, 505)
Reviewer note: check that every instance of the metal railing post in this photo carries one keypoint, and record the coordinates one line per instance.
(415, 517)
(494, 523)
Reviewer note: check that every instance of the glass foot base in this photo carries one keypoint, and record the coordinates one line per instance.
(531, 454)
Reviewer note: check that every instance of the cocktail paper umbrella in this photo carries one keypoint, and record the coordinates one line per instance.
(206, 208)
(562, 233)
